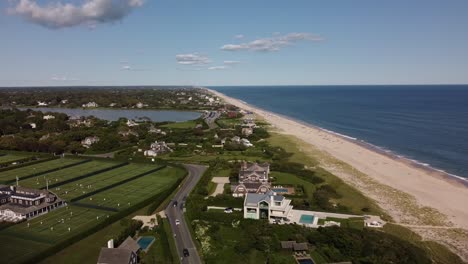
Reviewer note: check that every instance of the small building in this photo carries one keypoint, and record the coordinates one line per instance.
(89, 141)
(39, 103)
(247, 131)
(150, 153)
(139, 105)
(236, 139)
(131, 123)
(90, 105)
(33, 125)
(246, 143)
(48, 117)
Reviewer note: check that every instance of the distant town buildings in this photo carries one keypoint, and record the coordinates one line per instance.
(19, 203)
(253, 178)
(131, 123)
(48, 117)
(39, 103)
(247, 131)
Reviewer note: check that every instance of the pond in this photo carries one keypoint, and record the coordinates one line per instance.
(115, 114)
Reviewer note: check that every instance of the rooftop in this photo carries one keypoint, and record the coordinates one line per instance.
(114, 256)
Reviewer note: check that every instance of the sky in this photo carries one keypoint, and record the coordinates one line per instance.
(244, 42)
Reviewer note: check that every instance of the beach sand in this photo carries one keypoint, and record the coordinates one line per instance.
(418, 197)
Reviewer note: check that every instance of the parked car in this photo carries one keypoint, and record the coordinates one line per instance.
(228, 210)
(186, 252)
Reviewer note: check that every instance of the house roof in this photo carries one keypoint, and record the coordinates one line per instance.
(114, 256)
(130, 244)
(300, 246)
(287, 244)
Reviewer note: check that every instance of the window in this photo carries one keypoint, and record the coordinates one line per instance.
(278, 203)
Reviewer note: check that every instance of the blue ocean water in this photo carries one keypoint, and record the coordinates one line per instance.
(425, 123)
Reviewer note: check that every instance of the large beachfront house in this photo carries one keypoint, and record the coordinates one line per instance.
(19, 203)
(267, 206)
(253, 178)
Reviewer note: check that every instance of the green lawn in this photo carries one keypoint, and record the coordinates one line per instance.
(59, 176)
(36, 168)
(77, 188)
(123, 196)
(288, 178)
(350, 197)
(11, 158)
(182, 125)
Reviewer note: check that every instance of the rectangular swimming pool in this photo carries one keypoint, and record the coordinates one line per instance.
(145, 241)
(280, 190)
(306, 219)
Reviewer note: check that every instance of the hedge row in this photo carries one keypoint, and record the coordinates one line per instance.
(108, 187)
(87, 174)
(113, 218)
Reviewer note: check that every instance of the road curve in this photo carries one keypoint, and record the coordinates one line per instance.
(182, 236)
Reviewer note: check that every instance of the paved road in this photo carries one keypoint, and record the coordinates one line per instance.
(182, 237)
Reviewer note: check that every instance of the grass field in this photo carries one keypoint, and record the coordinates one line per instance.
(128, 194)
(10, 175)
(11, 158)
(59, 176)
(27, 239)
(76, 188)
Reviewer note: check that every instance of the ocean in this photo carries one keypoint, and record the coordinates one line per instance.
(425, 123)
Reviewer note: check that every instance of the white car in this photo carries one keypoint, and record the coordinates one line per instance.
(177, 222)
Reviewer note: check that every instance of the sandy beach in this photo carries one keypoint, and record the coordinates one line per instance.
(434, 193)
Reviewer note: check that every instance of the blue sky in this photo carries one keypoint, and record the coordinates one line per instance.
(178, 42)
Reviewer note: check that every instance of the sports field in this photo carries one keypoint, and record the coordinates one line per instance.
(10, 175)
(59, 176)
(113, 190)
(137, 190)
(11, 158)
(101, 180)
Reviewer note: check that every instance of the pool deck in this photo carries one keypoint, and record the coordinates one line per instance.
(295, 216)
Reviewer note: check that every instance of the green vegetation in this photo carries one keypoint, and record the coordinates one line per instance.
(182, 125)
(46, 234)
(152, 97)
(36, 169)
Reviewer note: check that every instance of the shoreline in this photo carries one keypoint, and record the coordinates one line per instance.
(435, 172)
(429, 186)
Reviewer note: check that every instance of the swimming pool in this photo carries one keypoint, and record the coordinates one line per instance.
(306, 219)
(280, 190)
(145, 241)
(305, 261)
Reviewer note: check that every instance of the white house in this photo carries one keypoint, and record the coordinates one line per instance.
(150, 153)
(47, 117)
(246, 142)
(267, 206)
(90, 104)
(247, 131)
(88, 141)
(131, 123)
(39, 103)
(33, 125)
(139, 105)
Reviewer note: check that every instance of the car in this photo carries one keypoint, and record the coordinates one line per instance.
(177, 222)
(186, 252)
(174, 204)
(228, 210)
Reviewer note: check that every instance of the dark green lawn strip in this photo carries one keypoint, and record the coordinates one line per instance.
(115, 184)
(98, 207)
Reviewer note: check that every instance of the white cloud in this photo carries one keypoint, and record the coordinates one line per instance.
(126, 67)
(62, 78)
(240, 36)
(218, 68)
(60, 15)
(274, 43)
(231, 62)
(192, 59)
